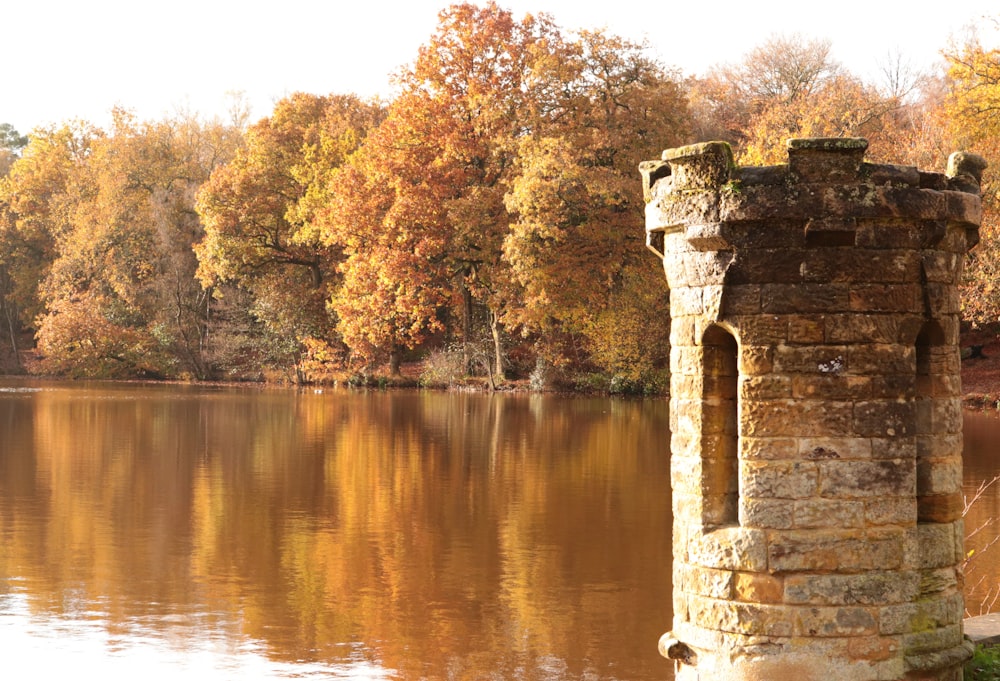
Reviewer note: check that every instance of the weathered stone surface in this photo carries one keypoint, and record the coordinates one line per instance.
(758, 588)
(835, 621)
(884, 418)
(811, 513)
(766, 513)
(768, 448)
(923, 615)
(863, 479)
(792, 298)
(865, 588)
(809, 418)
(730, 549)
(811, 550)
(778, 479)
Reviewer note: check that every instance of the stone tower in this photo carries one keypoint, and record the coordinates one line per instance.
(815, 411)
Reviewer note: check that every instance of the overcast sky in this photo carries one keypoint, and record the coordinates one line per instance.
(69, 59)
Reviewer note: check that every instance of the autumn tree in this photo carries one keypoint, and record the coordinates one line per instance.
(37, 199)
(260, 232)
(443, 160)
(111, 215)
(585, 283)
(119, 297)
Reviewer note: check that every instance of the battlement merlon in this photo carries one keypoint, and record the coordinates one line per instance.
(825, 182)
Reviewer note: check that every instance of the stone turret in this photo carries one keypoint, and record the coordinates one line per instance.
(815, 411)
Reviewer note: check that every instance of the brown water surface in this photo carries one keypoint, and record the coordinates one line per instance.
(152, 531)
(224, 533)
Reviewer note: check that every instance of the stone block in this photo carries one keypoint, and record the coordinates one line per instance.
(766, 513)
(866, 479)
(942, 299)
(898, 511)
(900, 386)
(741, 300)
(893, 447)
(755, 360)
(829, 360)
(778, 479)
(705, 268)
(861, 328)
(877, 359)
(873, 648)
(833, 550)
(877, 587)
(731, 548)
(892, 266)
(685, 300)
(806, 329)
(884, 418)
(936, 639)
(765, 329)
(939, 476)
(812, 513)
(768, 448)
(830, 387)
(930, 545)
(765, 387)
(707, 582)
(941, 267)
(804, 298)
(752, 587)
(925, 615)
(835, 621)
(685, 359)
(768, 266)
(885, 298)
(682, 330)
(942, 583)
(946, 415)
(827, 448)
(806, 418)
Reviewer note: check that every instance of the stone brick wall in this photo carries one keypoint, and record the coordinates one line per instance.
(815, 411)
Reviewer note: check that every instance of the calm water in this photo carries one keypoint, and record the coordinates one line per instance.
(148, 531)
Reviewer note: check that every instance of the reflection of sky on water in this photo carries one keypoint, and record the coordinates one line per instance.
(53, 647)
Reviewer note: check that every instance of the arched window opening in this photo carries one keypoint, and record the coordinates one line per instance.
(720, 429)
(931, 357)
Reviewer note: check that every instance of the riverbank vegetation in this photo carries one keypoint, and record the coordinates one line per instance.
(487, 221)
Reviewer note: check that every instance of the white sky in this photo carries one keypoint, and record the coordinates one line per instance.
(67, 59)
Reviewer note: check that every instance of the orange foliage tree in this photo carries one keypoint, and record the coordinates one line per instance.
(258, 211)
(106, 223)
(585, 283)
(431, 182)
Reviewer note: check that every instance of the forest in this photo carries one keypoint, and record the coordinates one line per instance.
(483, 226)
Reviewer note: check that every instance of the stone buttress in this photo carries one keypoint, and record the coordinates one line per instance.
(815, 411)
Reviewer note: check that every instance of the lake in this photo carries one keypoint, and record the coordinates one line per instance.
(250, 533)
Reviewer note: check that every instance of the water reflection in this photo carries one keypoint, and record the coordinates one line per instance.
(274, 534)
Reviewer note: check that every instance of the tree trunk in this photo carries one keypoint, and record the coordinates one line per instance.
(466, 328)
(394, 360)
(499, 367)
(10, 313)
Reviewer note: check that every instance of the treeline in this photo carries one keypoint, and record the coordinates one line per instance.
(487, 221)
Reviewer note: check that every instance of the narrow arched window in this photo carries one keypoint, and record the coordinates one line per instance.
(719, 429)
(931, 357)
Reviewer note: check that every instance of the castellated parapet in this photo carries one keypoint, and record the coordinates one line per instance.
(815, 411)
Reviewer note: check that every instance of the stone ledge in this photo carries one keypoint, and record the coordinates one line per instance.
(984, 629)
